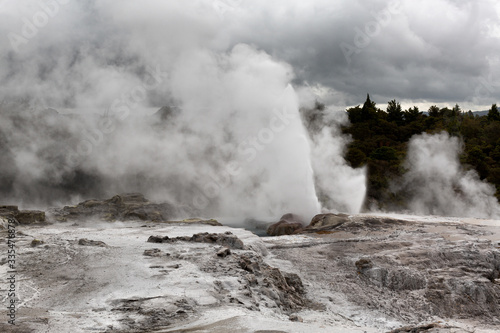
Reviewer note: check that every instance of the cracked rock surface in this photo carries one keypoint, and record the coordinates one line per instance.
(366, 274)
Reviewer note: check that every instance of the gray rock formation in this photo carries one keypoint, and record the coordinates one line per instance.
(366, 274)
(323, 222)
(226, 239)
(407, 271)
(287, 225)
(22, 216)
(128, 206)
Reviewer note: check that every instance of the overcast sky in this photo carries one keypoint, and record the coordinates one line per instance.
(78, 53)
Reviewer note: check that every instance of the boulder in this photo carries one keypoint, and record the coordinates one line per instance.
(295, 317)
(363, 264)
(123, 207)
(288, 224)
(327, 221)
(37, 242)
(89, 242)
(30, 216)
(226, 239)
(224, 252)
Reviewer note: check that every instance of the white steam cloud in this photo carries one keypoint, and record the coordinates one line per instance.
(340, 187)
(437, 183)
(230, 143)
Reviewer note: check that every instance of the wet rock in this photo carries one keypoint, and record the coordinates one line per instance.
(224, 252)
(226, 239)
(363, 264)
(36, 242)
(88, 242)
(157, 239)
(328, 221)
(295, 317)
(288, 224)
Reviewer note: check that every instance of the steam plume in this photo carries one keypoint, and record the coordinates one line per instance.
(438, 184)
(228, 139)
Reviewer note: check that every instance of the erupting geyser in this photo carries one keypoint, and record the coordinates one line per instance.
(235, 146)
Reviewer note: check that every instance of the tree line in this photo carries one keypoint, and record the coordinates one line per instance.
(380, 140)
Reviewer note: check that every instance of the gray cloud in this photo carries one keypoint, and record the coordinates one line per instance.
(435, 51)
(432, 51)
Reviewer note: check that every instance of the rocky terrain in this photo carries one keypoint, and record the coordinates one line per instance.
(340, 273)
(123, 207)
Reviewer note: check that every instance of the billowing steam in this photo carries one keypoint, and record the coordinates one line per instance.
(237, 145)
(228, 140)
(339, 187)
(438, 184)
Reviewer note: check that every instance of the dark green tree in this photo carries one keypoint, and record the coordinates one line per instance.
(384, 153)
(394, 112)
(369, 109)
(380, 142)
(364, 114)
(456, 110)
(433, 111)
(412, 114)
(493, 114)
(355, 157)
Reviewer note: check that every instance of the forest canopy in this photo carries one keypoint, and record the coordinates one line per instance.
(380, 141)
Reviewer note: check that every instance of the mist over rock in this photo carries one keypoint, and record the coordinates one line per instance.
(123, 207)
(22, 216)
(203, 152)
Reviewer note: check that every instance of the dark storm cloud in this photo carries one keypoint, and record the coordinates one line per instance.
(436, 51)
(443, 51)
